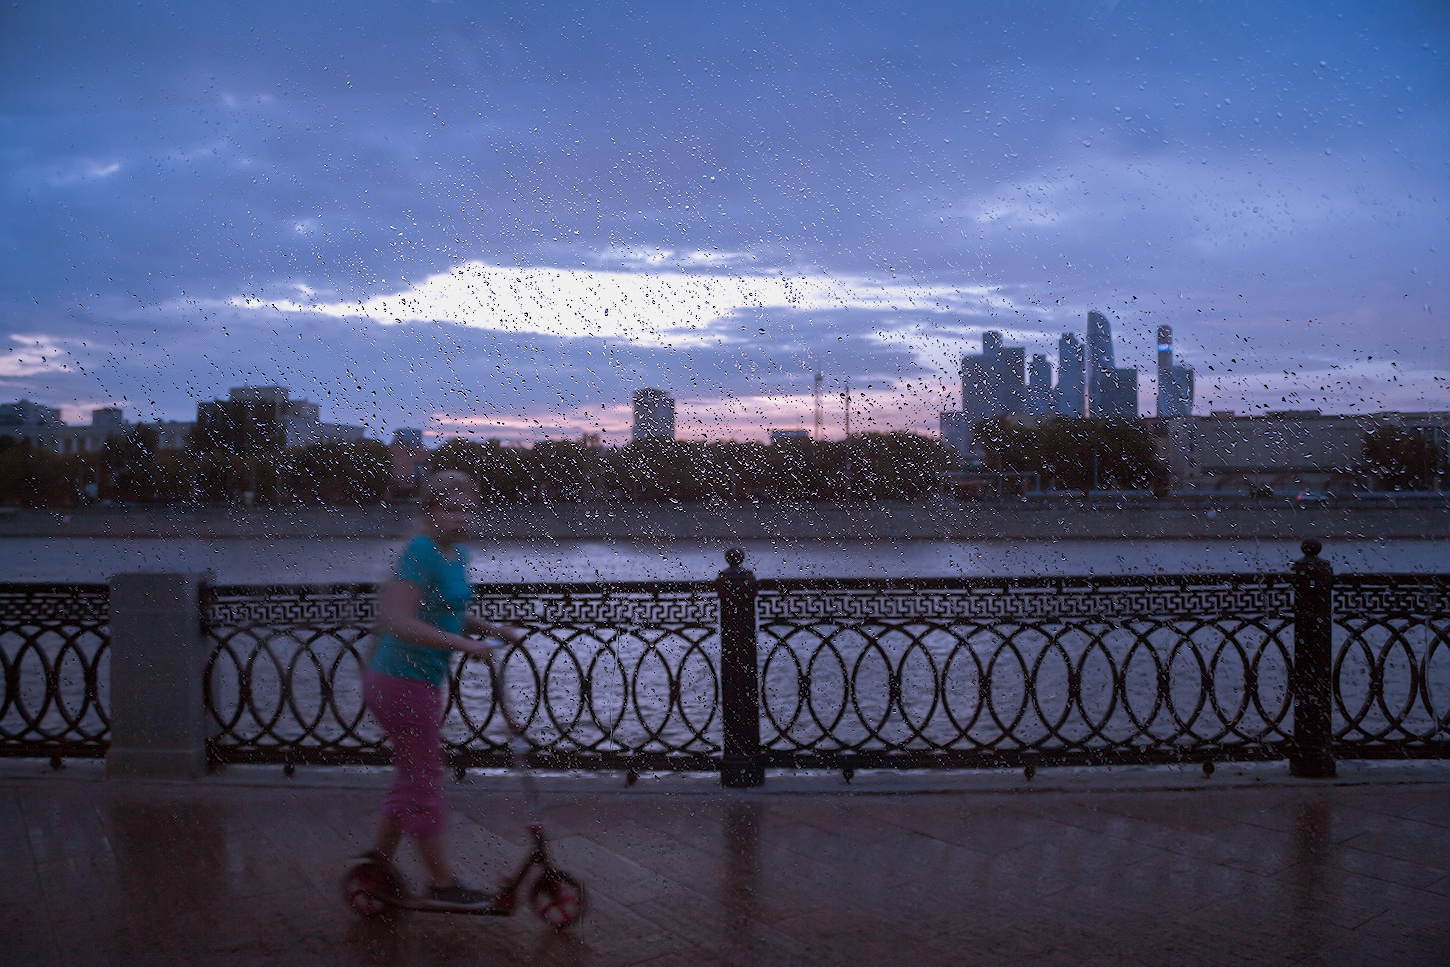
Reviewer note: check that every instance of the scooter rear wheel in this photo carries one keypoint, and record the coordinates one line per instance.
(557, 898)
(371, 889)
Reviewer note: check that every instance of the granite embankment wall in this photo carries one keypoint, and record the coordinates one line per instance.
(931, 519)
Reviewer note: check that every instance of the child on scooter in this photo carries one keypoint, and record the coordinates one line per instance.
(422, 618)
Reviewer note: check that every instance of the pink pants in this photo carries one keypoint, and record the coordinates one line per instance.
(412, 713)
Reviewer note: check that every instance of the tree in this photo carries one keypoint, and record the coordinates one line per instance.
(239, 447)
(1072, 453)
(504, 474)
(1403, 459)
(351, 472)
(32, 476)
(130, 461)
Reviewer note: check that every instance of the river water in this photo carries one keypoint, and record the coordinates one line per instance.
(339, 560)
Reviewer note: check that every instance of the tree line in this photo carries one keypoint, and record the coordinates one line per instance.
(131, 468)
(1061, 453)
(1072, 453)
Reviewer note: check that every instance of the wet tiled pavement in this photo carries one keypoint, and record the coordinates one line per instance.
(229, 872)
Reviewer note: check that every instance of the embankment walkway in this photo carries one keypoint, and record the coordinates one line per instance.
(1092, 867)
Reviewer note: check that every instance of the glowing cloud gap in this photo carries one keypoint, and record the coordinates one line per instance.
(642, 306)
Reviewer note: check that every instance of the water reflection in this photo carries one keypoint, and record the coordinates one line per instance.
(1313, 838)
(741, 886)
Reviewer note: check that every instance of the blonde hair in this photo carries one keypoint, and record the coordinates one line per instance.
(445, 482)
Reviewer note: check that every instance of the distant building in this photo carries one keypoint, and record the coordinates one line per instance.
(1070, 396)
(1112, 392)
(992, 382)
(654, 416)
(26, 413)
(1280, 452)
(1117, 397)
(42, 427)
(782, 436)
(1175, 383)
(262, 418)
(409, 461)
(1039, 386)
(958, 437)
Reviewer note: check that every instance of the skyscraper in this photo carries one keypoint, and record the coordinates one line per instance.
(992, 382)
(1039, 386)
(1099, 356)
(1175, 383)
(1070, 397)
(1117, 395)
(654, 416)
(1112, 392)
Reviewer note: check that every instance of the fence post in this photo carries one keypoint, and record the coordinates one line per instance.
(1311, 756)
(158, 662)
(740, 767)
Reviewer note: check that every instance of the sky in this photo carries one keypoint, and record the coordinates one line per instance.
(501, 220)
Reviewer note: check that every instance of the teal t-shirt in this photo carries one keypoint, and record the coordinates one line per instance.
(446, 596)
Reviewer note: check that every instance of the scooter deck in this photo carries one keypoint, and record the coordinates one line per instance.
(423, 904)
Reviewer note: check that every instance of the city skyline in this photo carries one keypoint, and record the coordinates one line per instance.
(504, 222)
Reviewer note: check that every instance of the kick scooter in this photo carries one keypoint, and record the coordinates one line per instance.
(374, 888)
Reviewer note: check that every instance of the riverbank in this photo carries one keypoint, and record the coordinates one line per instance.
(930, 519)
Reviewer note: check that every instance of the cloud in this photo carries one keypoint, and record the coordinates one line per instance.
(663, 307)
(34, 354)
(79, 171)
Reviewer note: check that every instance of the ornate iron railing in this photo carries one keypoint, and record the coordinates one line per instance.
(934, 673)
(1391, 672)
(607, 674)
(740, 674)
(55, 651)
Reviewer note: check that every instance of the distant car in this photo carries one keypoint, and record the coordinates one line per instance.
(1311, 498)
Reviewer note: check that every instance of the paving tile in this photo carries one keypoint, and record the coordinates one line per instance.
(1163, 884)
(1408, 840)
(609, 874)
(1386, 868)
(976, 826)
(1422, 803)
(731, 932)
(1420, 921)
(1364, 951)
(26, 932)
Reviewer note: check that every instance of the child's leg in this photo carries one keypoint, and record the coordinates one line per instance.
(411, 712)
(435, 857)
(390, 833)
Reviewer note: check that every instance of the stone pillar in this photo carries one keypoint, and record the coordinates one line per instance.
(159, 724)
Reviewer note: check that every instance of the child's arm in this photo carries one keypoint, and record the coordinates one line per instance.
(478, 626)
(398, 604)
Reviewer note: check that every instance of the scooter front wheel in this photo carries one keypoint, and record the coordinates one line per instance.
(371, 889)
(557, 898)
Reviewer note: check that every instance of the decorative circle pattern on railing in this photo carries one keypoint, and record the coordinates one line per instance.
(1391, 661)
(55, 655)
(605, 672)
(1051, 666)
